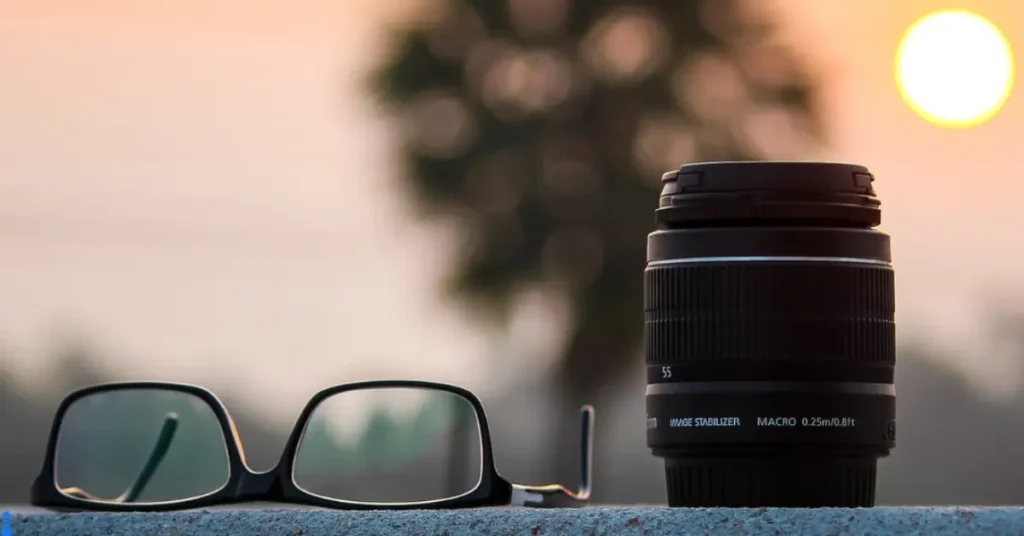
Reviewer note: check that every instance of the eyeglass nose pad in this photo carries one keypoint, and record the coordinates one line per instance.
(586, 450)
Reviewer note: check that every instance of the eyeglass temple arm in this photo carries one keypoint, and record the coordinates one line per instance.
(163, 443)
(586, 451)
(554, 495)
(156, 456)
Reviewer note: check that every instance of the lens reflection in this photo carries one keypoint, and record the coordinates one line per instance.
(390, 445)
(140, 446)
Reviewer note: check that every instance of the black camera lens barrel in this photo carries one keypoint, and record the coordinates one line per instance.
(769, 335)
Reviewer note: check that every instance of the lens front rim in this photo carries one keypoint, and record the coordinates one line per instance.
(768, 193)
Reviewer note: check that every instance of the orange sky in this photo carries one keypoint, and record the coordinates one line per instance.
(950, 197)
(201, 183)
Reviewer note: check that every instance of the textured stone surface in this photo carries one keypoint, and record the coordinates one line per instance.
(532, 522)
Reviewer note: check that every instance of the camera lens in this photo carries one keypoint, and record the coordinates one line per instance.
(769, 335)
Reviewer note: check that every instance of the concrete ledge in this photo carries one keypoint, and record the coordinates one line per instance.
(532, 522)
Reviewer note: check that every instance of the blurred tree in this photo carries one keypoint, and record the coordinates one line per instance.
(542, 127)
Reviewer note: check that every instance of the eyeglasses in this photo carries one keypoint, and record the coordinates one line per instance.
(367, 445)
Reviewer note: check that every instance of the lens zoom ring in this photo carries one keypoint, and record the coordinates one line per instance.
(769, 311)
(777, 482)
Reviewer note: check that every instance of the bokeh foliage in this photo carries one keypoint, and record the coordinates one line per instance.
(542, 127)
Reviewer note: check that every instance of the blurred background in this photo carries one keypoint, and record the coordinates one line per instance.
(267, 198)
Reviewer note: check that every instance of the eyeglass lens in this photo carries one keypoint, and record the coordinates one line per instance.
(140, 446)
(390, 445)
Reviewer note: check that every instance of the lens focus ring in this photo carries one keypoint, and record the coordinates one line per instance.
(769, 311)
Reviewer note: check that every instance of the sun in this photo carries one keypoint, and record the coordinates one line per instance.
(954, 68)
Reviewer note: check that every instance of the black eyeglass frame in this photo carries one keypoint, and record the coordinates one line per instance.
(277, 484)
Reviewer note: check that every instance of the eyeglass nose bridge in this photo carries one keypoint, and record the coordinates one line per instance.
(262, 486)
